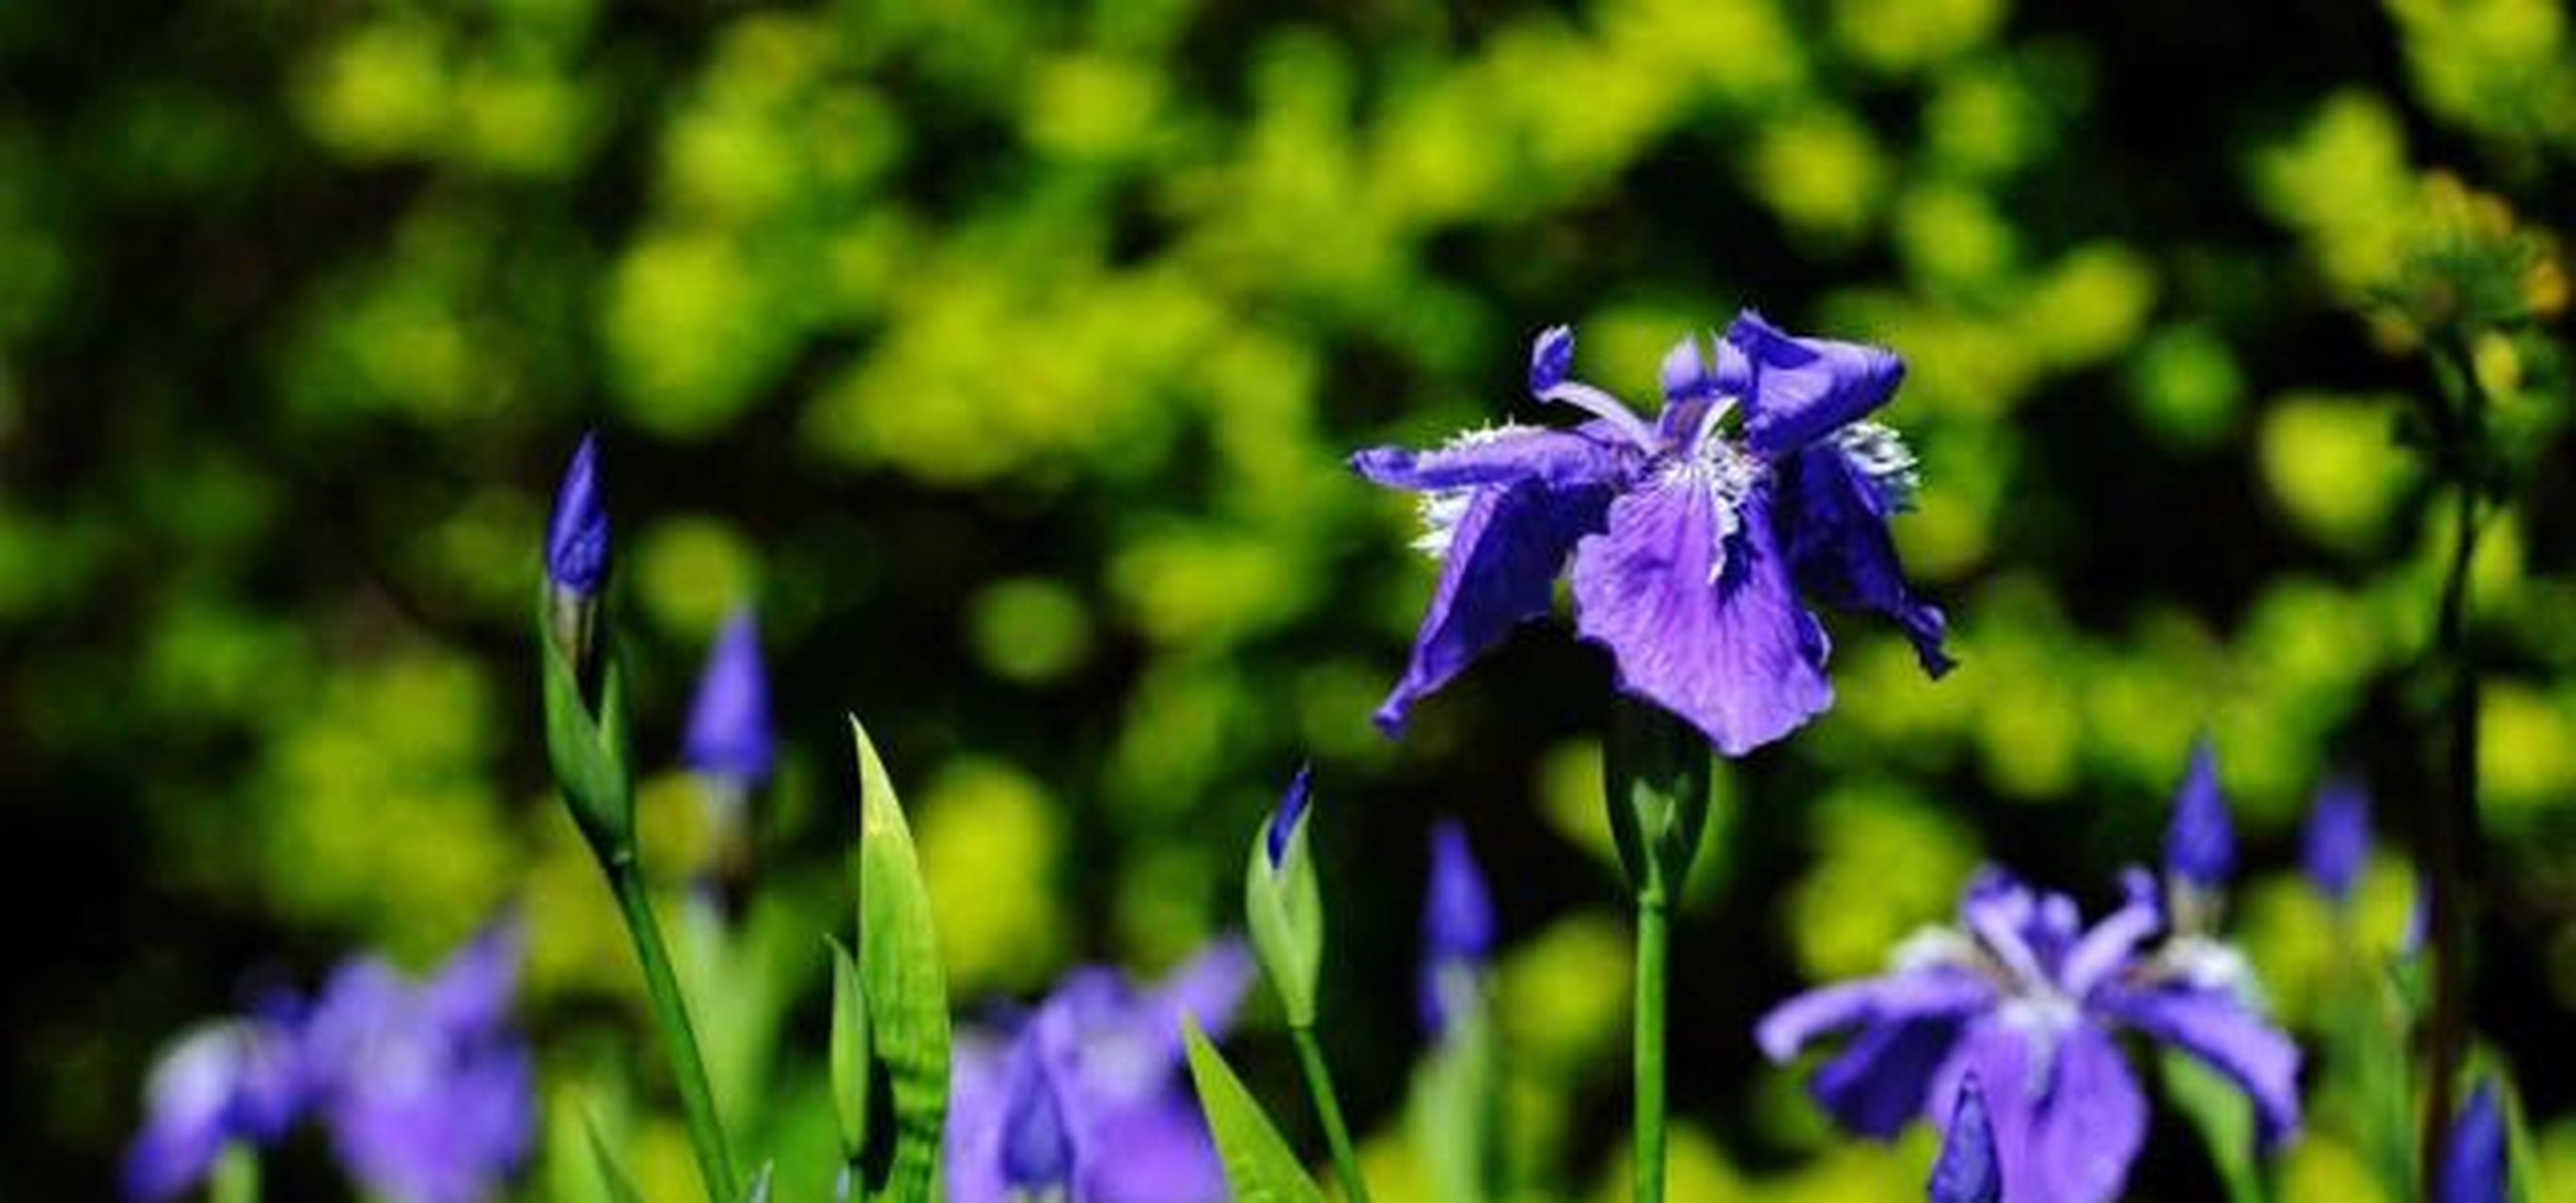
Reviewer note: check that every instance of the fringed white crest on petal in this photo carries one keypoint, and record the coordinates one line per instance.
(1883, 459)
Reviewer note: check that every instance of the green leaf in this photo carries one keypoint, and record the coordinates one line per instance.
(621, 1189)
(852, 1059)
(1259, 1166)
(2223, 1116)
(907, 996)
(1283, 913)
(1453, 1108)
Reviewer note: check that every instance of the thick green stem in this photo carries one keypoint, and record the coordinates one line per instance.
(679, 1039)
(1328, 1108)
(1654, 949)
(236, 1175)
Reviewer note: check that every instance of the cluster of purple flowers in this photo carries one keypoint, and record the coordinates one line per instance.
(423, 1086)
(2025, 999)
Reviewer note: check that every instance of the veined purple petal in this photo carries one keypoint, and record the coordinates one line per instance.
(729, 734)
(2200, 848)
(2337, 846)
(2477, 1170)
(1500, 456)
(2217, 1028)
(1796, 390)
(577, 534)
(1966, 1171)
(2067, 1114)
(1499, 571)
(1840, 549)
(1728, 647)
(1928, 993)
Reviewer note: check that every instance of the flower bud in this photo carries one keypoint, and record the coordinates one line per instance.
(1283, 906)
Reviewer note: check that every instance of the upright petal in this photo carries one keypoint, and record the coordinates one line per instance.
(1499, 572)
(1551, 378)
(1796, 390)
(470, 997)
(1724, 643)
(1966, 1171)
(1690, 389)
(2068, 1117)
(2218, 1029)
(2200, 847)
(1835, 523)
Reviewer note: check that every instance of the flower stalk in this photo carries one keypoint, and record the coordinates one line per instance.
(1656, 777)
(1328, 1110)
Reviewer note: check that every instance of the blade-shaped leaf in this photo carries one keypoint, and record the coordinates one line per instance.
(907, 995)
(2224, 1117)
(621, 1189)
(1259, 1166)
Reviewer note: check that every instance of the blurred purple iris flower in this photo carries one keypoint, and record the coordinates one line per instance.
(2026, 999)
(232, 1080)
(729, 737)
(1692, 538)
(1457, 928)
(427, 1092)
(1966, 1171)
(2337, 846)
(1085, 1097)
(2476, 1171)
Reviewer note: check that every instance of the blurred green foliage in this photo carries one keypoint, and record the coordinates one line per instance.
(1006, 356)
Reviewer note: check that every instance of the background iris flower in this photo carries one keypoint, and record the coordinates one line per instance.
(1085, 1096)
(225, 1081)
(1694, 539)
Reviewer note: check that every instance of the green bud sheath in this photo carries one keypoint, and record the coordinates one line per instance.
(1655, 769)
(1283, 909)
(589, 749)
(853, 1061)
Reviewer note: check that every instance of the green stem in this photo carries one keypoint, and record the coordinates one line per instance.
(2450, 832)
(236, 1175)
(679, 1039)
(1328, 1108)
(1654, 949)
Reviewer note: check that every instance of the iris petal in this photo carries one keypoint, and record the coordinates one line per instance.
(1734, 651)
(1840, 550)
(1797, 390)
(2216, 1027)
(2067, 1121)
(1504, 455)
(1499, 572)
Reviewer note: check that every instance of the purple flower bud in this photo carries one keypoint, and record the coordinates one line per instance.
(1966, 1171)
(729, 734)
(577, 535)
(1457, 926)
(2338, 839)
(2476, 1171)
(2200, 848)
(1283, 822)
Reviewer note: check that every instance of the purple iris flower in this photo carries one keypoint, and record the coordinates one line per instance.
(2200, 847)
(1457, 927)
(1966, 1171)
(577, 534)
(427, 1092)
(1692, 538)
(1085, 1097)
(729, 736)
(2476, 1170)
(2337, 846)
(2026, 999)
(231, 1080)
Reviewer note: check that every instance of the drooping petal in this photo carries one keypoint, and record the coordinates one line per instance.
(1796, 390)
(1499, 456)
(2200, 847)
(2217, 1028)
(1157, 1152)
(2337, 845)
(1885, 1079)
(2477, 1170)
(1835, 524)
(1967, 1171)
(1500, 571)
(1725, 644)
(2067, 1114)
